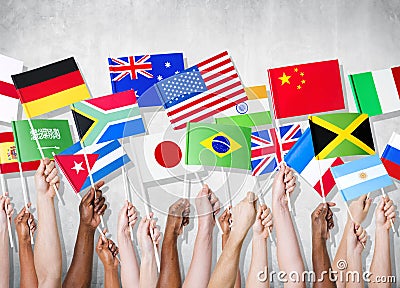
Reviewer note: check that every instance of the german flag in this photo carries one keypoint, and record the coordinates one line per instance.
(50, 87)
(341, 134)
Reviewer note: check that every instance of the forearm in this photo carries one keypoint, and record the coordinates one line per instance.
(224, 274)
(111, 279)
(259, 262)
(355, 266)
(169, 273)
(80, 272)
(200, 267)
(148, 272)
(381, 264)
(28, 276)
(289, 260)
(321, 263)
(4, 261)
(129, 264)
(341, 255)
(238, 282)
(47, 247)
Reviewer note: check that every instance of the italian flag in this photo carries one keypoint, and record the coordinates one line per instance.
(376, 92)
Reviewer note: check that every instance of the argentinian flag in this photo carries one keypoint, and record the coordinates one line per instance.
(361, 177)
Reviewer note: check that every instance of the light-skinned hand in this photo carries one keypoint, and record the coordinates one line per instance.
(127, 218)
(356, 238)
(91, 207)
(385, 212)
(322, 220)
(359, 208)
(6, 211)
(207, 205)
(243, 216)
(25, 224)
(263, 224)
(144, 237)
(284, 181)
(46, 176)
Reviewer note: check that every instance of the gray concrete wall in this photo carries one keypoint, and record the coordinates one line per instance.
(258, 34)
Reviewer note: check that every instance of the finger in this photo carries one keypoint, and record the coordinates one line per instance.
(2, 202)
(390, 211)
(51, 176)
(367, 203)
(88, 198)
(216, 207)
(391, 216)
(41, 168)
(291, 189)
(99, 184)
(49, 167)
(251, 197)
(99, 202)
(102, 209)
(55, 180)
(388, 205)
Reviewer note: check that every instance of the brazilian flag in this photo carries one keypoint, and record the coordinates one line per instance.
(218, 145)
(341, 134)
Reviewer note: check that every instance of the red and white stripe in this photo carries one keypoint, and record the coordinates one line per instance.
(224, 90)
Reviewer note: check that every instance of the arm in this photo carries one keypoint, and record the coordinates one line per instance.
(381, 261)
(108, 252)
(288, 249)
(24, 224)
(259, 253)
(129, 265)
(148, 266)
(359, 210)
(224, 220)
(200, 267)
(80, 272)
(6, 211)
(322, 222)
(356, 239)
(243, 216)
(177, 218)
(47, 247)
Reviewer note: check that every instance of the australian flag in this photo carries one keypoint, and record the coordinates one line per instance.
(140, 73)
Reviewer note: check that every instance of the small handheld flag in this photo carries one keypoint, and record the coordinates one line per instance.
(341, 134)
(391, 156)
(360, 177)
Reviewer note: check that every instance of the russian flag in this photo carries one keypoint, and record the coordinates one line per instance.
(301, 158)
(391, 156)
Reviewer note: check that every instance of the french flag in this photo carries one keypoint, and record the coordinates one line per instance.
(301, 158)
(391, 156)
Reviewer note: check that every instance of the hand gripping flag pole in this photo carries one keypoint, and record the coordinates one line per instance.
(25, 194)
(3, 188)
(261, 203)
(391, 220)
(186, 191)
(126, 189)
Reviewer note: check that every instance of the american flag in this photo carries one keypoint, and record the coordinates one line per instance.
(202, 91)
(266, 152)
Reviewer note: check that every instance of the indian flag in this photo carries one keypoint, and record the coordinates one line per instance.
(251, 113)
(376, 92)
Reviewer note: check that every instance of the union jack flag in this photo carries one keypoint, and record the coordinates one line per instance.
(268, 148)
(131, 67)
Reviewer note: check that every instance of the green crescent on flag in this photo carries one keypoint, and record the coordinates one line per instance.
(53, 136)
(218, 145)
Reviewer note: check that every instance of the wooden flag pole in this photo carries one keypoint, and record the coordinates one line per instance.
(126, 189)
(3, 188)
(25, 194)
(42, 155)
(391, 220)
(143, 192)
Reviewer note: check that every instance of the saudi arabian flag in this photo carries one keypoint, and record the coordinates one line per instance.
(53, 136)
(250, 113)
(218, 145)
(376, 92)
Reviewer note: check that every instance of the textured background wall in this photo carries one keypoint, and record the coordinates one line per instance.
(258, 34)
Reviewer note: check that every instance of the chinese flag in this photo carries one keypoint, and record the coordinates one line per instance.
(75, 169)
(306, 89)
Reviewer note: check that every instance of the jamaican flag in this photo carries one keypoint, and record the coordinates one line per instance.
(341, 134)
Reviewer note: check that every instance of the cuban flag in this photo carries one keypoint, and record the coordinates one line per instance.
(111, 157)
(360, 177)
(210, 87)
(140, 73)
(302, 159)
(391, 156)
(268, 147)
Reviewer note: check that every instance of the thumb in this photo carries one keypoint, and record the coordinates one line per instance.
(381, 204)
(251, 197)
(368, 203)
(41, 168)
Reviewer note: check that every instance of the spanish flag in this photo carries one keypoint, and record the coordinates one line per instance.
(50, 87)
(9, 157)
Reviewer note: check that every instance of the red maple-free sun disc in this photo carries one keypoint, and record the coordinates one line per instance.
(168, 154)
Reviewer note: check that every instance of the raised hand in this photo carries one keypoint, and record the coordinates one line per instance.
(356, 238)
(6, 211)
(225, 220)
(263, 225)
(92, 207)
(359, 208)
(46, 176)
(145, 238)
(207, 205)
(385, 213)
(322, 220)
(284, 182)
(243, 216)
(178, 216)
(107, 251)
(25, 224)
(127, 218)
